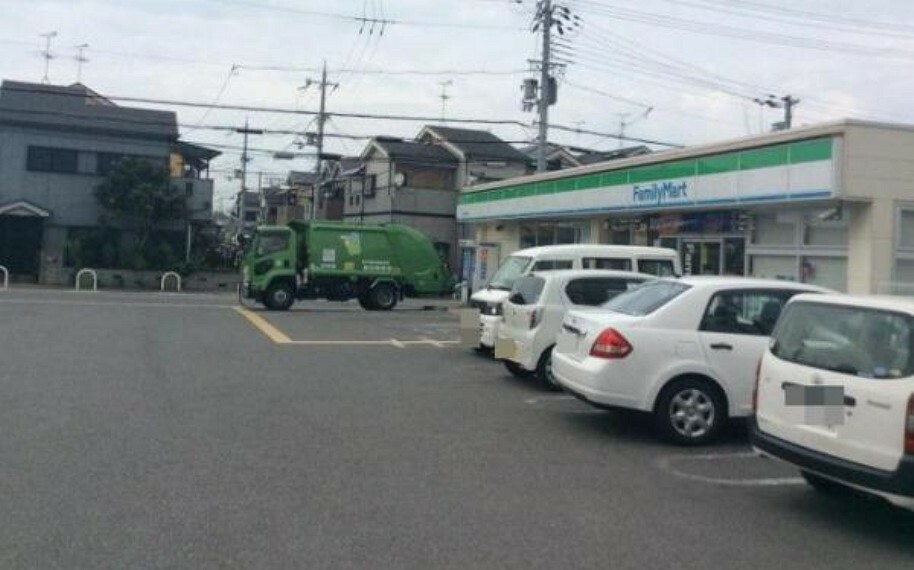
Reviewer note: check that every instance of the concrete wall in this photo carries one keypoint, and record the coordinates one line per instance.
(878, 172)
(146, 280)
(69, 197)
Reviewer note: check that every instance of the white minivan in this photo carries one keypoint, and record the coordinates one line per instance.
(835, 394)
(662, 262)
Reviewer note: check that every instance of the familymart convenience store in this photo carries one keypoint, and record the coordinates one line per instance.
(831, 204)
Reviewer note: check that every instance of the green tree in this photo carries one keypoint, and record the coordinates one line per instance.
(139, 195)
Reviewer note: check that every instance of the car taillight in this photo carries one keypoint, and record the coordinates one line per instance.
(909, 427)
(536, 315)
(758, 371)
(611, 344)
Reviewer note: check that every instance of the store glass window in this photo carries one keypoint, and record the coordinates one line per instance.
(769, 230)
(773, 267)
(567, 234)
(734, 256)
(621, 237)
(545, 234)
(828, 272)
(906, 229)
(829, 234)
(527, 236)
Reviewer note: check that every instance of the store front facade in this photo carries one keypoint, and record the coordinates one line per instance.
(829, 204)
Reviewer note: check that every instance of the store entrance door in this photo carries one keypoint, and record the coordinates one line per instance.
(701, 257)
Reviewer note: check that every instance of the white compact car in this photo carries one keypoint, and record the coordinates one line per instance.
(835, 394)
(538, 302)
(653, 260)
(684, 350)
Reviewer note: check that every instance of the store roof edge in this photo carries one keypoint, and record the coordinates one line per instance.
(831, 128)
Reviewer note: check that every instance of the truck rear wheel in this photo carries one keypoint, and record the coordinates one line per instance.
(383, 296)
(279, 297)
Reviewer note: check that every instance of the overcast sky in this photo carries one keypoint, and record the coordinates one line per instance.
(696, 63)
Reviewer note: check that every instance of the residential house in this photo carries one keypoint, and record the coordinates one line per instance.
(416, 182)
(56, 145)
(482, 156)
(560, 157)
(407, 183)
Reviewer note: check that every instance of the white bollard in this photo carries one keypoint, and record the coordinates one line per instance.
(165, 277)
(90, 272)
(6, 278)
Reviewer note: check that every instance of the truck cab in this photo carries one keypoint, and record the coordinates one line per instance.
(272, 272)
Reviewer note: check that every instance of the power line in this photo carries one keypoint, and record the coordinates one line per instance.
(265, 109)
(724, 30)
(821, 17)
(218, 96)
(755, 14)
(363, 20)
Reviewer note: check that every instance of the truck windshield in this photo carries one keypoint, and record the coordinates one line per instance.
(268, 243)
(509, 271)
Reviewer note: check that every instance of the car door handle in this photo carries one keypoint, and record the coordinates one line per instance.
(721, 346)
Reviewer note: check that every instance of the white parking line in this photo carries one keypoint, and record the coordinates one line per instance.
(665, 463)
(391, 342)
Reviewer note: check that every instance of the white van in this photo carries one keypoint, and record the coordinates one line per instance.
(835, 394)
(662, 262)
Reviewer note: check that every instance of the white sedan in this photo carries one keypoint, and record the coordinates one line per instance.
(684, 350)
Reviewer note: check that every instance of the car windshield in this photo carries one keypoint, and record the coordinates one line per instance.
(510, 270)
(863, 342)
(647, 298)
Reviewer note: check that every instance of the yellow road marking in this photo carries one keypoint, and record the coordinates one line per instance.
(264, 326)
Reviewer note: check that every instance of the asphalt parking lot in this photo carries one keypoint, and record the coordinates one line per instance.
(182, 431)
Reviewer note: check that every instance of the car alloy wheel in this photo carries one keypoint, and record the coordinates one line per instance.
(692, 413)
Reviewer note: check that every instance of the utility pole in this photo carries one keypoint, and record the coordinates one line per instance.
(47, 55)
(545, 87)
(80, 60)
(787, 102)
(321, 119)
(242, 195)
(543, 93)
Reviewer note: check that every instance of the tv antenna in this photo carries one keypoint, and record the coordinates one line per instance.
(47, 55)
(444, 97)
(80, 60)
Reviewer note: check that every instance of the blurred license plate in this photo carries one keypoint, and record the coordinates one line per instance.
(822, 405)
(505, 348)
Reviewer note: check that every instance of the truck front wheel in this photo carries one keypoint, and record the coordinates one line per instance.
(383, 296)
(366, 302)
(279, 297)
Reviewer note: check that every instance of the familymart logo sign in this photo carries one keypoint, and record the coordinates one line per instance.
(660, 192)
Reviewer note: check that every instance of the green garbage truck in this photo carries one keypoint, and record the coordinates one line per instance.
(376, 264)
